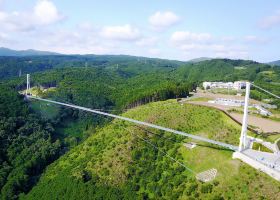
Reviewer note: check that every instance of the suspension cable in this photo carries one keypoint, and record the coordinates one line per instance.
(156, 134)
(172, 158)
(278, 97)
(98, 109)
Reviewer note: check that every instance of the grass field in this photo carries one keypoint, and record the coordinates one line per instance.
(260, 147)
(200, 99)
(223, 91)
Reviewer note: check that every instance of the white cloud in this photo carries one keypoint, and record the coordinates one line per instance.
(256, 39)
(193, 45)
(122, 33)
(232, 54)
(147, 41)
(189, 37)
(154, 52)
(1, 4)
(46, 12)
(16, 21)
(163, 20)
(270, 21)
(86, 26)
(228, 38)
(5, 39)
(211, 47)
(74, 42)
(3, 16)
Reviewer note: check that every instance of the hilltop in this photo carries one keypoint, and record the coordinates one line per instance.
(275, 63)
(195, 60)
(28, 52)
(114, 162)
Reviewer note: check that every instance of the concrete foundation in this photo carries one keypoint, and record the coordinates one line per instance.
(264, 167)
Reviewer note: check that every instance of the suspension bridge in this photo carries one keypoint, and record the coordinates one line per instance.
(228, 146)
(266, 162)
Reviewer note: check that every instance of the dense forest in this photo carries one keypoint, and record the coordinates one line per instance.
(27, 145)
(149, 79)
(16, 66)
(30, 140)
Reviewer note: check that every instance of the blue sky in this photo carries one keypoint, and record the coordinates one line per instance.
(178, 29)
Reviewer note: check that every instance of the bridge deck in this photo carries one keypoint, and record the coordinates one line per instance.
(225, 145)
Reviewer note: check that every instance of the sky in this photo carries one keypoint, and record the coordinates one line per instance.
(171, 29)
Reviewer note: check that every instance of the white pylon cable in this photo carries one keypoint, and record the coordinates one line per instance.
(278, 97)
(172, 158)
(196, 137)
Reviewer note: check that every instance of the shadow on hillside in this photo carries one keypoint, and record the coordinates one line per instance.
(215, 147)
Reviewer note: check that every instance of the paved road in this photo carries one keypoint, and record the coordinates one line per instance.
(265, 125)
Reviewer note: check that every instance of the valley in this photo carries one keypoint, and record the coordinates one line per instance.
(95, 157)
(139, 100)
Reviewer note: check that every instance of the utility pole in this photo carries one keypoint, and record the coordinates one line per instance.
(243, 137)
(27, 84)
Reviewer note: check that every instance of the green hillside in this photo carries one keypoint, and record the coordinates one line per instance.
(14, 66)
(115, 163)
(115, 84)
(149, 80)
(27, 145)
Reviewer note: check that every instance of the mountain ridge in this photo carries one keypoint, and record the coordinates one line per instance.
(4, 51)
(28, 52)
(277, 62)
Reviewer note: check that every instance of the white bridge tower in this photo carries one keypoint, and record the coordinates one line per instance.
(27, 84)
(262, 161)
(243, 136)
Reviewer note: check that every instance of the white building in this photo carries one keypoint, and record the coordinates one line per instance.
(206, 85)
(237, 85)
(228, 102)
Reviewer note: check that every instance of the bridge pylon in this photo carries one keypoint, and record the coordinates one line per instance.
(243, 137)
(27, 84)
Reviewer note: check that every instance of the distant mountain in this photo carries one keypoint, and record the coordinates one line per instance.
(29, 52)
(199, 59)
(275, 63)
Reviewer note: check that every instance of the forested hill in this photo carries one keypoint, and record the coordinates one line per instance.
(14, 66)
(29, 52)
(125, 81)
(275, 63)
(27, 145)
(124, 161)
(223, 70)
(105, 88)
(215, 69)
(33, 135)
